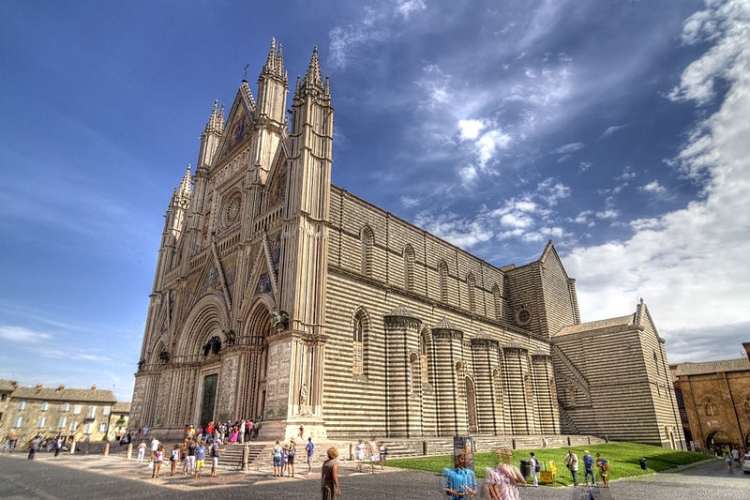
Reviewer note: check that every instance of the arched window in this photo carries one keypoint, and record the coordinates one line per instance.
(498, 301)
(443, 274)
(471, 284)
(358, 343)
(409, 267)
(415, 381)
(368, 241)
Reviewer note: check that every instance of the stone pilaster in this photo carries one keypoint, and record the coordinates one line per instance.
(447, 354)
(403, 380)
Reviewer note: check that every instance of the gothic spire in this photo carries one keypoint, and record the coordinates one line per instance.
(312, 77)
(274, 66)
(216, 119)
(186, 184)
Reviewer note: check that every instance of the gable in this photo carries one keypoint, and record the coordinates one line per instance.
(239, 123)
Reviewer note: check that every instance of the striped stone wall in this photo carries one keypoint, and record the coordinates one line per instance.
(607, 386)
(379, 401)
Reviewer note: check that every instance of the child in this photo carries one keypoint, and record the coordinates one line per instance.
(200, 457)
(174, 459)
(359, 454)
(158, 459)
(141, 452)
(603, 465)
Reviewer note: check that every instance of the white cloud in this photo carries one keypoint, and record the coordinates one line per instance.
(22, 334)
(468, 174)
(584, 166)
(570, 148)
(627, 174)
(608, 214)
(516, 220)
(552, 191)
(457, 230)
(469, 129)
(611, 130)
(690, 265)
(409, 201)
(379, 22)
(489, 143)
(653, 187)
(406, 8)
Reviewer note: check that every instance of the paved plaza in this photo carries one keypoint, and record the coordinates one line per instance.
(97, 477)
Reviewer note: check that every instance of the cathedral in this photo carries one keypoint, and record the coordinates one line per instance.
(282, 297)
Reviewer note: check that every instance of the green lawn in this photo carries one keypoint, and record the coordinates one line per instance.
(622, 457)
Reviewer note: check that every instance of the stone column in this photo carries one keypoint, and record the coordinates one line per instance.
(447, 352)
(485, 360)
(403, 387)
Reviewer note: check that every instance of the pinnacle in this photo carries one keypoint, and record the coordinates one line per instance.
(312, 77)
(274, 65)
(216, 119)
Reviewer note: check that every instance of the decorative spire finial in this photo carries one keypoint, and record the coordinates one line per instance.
(312, 77)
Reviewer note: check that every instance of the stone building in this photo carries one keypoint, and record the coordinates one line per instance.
(613, 380)
(281, 296)
(715, 401)
(85, 414)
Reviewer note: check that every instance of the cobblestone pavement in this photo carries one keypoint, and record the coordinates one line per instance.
(98, 477)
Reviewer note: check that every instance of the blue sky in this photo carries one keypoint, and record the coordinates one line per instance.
(617, 129)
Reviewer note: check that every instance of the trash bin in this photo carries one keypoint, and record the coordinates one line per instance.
(526, 468)
(643, 463)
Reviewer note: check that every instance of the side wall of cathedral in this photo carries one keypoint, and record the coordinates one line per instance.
(614, 382)
(413, 350)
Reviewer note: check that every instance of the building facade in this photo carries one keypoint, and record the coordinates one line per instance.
(613, 381)
(280, 296)
(82, 414)
(715, 401)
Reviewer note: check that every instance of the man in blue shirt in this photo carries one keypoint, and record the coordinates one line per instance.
(310, 449)
(459, 483)
(588, 464)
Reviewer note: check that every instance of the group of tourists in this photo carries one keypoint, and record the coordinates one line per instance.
(502, 482)
(733, 457)
(589, 463)
(191, 454)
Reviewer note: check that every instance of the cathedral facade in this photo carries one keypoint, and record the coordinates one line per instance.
(280, 296)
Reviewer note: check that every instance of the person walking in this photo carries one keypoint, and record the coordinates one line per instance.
(200, 458)
(309, 451)
(276, 455)
(329, 476)
(459, 482)
(535, 468)
(571, 461)
(214, 457)
(158, 459)
(359, 454)
(58, 445)
(588, 468)
(174, 457)
(502, 482)
(191, 447)
(34, 446)
(603, 466)
(141, 452)
(291, 451)
(727, 458)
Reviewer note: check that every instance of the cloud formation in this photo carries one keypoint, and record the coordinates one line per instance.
(690, 264)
